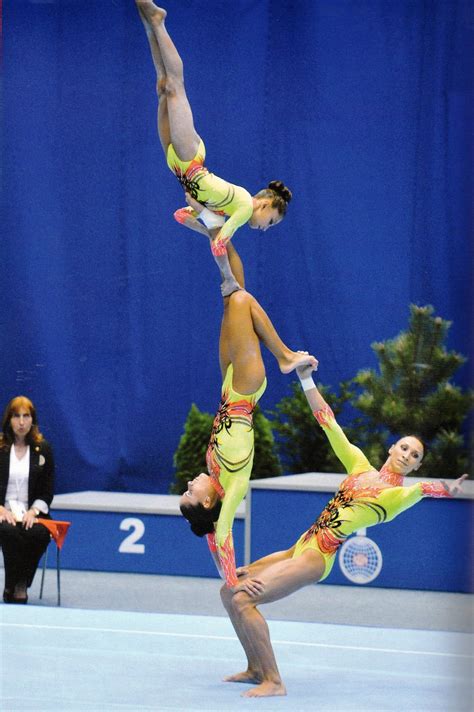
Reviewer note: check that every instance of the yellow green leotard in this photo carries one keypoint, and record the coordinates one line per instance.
(365, 498)
(229, 460)
(210, 190)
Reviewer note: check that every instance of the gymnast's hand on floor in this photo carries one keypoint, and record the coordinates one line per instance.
(456, 486)
(254, 587)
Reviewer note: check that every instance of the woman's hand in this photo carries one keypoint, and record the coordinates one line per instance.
(456, 486)
(254, 587)
(305, 371)
(29, 518)
(242, 571)
(7, 516)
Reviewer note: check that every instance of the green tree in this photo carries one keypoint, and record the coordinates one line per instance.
(411, 393)
(266, 461)
(303, 446)
(190, 456)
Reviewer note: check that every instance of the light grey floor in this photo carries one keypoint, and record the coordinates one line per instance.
(323, 603)
(78, 660)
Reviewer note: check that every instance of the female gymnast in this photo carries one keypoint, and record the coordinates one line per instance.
(211, 500)
(365, 498)
(185, 154)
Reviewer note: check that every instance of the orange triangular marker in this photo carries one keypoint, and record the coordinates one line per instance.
(58, 530)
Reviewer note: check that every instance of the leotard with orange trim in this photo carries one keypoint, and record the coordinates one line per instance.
(229, 460)
(365, 498)
(213, 192)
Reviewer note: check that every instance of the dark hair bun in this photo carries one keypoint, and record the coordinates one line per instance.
(280, 189)
(201, 529)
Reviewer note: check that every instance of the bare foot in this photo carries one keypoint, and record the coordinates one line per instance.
(229, 286)
(297, 359)
(150, 12)
(249, 676)
(266, 689)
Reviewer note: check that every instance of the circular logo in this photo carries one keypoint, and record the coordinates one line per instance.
(360, 559)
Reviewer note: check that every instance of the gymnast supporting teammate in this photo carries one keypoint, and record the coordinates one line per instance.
(211, 500)
(185, 154)
(365, 498)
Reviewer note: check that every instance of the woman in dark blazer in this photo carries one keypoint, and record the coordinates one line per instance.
(26, 492)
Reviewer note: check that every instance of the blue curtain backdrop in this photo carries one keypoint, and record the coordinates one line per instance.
(110, 311)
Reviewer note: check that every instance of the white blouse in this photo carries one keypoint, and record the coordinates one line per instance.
(17, 487)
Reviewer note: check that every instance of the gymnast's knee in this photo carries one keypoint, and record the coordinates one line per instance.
(240, 298)
(161, 87)
(241, 601)
(226, 596)
(169, 86)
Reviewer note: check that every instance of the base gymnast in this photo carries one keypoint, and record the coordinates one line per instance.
(212, 498)
(365, 498)
(185, 154)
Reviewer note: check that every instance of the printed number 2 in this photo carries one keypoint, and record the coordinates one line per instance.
(129, 544)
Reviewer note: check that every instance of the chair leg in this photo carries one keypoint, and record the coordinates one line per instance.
(45, 560)
(58, 573)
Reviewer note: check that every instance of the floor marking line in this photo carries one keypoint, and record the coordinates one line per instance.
(231, 638)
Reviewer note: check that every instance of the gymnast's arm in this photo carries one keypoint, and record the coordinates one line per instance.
(234, 494)
(238, 218)
(396, 500)
(241, 214)
(351, 456)
(211, 542)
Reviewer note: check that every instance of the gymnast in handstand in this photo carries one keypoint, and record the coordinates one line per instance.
(365, 498)
(185, 154)
(212, 498)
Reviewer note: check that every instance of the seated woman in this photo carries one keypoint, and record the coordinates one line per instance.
(185, 152)
(212, 498)
(26, 492)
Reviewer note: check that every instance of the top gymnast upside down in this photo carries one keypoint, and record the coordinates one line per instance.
(365, 498)
(185, 154)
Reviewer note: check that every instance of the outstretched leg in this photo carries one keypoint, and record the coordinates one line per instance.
(245, 323)
(163, 124)
(279, 580)
(182, 133)
(288, 360)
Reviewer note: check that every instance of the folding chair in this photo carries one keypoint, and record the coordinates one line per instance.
(58, 531)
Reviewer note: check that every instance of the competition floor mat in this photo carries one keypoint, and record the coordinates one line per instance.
(90, 661)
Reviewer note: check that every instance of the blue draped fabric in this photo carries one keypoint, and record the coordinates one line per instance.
(111, 311)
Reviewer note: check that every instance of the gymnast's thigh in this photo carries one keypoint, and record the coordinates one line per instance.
(286, 577)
